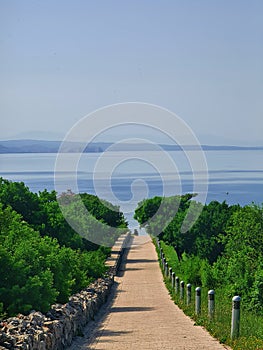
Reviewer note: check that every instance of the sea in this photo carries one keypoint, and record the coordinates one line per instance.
(126, 178)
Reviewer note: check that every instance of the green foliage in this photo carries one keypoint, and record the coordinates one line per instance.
(223, 250)
(104, 211)
(205, 233)
(146, 209)
(54, 224)
(256, 294)
(171, 215)
(251, 331)
(83, 222)
(19, 197)
(42, 259)
(35, 271)
(43, 213)
(240, 267)
(165, 217)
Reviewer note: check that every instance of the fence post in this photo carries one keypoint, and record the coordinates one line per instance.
(177, 283)
(173, 280)
(235, 322)
(164, 263)
(182, 290)
(166, 270)
(189, 293)
(211, 304)
(170, 273)
(198, 301)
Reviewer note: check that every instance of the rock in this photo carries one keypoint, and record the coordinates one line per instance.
(56, 329)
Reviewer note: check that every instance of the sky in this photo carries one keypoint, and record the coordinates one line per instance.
(201, 59)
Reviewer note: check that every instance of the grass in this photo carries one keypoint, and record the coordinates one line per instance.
(251, 325)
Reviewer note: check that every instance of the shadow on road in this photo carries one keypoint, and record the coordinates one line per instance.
(131, 309)
(137, 261)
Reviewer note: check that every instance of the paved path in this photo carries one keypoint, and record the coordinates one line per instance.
(140, 314)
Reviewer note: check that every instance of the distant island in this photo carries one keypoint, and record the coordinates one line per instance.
(43, 146)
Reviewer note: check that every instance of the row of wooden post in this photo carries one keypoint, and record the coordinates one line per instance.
(179, 287)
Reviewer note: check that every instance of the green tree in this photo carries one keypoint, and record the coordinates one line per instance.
(211, 224)
(19, 197)
(104, 211)
(36, 271)
(238, 268)
(54, 223)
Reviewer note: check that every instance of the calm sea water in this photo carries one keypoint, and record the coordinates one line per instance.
(126, 178)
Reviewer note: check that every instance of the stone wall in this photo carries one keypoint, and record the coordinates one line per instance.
(56, 329)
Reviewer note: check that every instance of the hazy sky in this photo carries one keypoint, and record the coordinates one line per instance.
(203, 60)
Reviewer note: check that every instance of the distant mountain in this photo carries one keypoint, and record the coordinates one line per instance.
(29, 146)
(44, 146)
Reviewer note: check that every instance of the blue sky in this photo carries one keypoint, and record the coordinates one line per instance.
(203, 60)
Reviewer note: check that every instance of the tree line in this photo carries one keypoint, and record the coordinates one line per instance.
(42, 259)
(223, 249)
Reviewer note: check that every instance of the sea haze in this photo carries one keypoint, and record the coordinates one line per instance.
(44, 146)
(234, 176)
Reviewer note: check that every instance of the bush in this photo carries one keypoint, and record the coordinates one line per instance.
(35, 271)
(257, 291)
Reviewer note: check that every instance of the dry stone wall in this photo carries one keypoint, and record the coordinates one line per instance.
(56, 329)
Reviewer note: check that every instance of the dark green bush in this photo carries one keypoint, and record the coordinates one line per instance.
(42, 259)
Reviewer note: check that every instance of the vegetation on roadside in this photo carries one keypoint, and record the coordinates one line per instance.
(42, 259)
(223, 251)
(251, 331)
